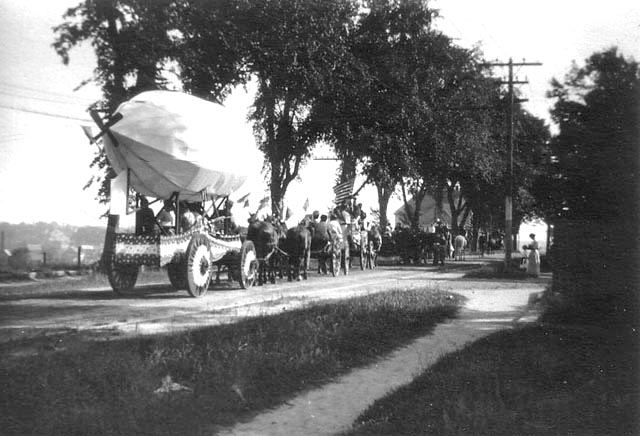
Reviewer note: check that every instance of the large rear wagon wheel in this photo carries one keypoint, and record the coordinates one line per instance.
(122, 278)
(198, 265)
(248, 265)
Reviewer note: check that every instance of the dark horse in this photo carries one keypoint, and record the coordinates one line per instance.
(265, 237)
(298, 247)
(436, 244)
(320, 242)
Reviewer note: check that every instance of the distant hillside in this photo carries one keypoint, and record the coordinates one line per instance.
(50, 235)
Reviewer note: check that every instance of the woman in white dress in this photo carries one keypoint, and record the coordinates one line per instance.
(533, 263)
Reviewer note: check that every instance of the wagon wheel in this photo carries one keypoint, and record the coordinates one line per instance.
(122, 278)
(198, 265)
(178, 275)
(335, 261)
(248, 265)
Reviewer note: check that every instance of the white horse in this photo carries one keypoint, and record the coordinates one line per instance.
(460, 244)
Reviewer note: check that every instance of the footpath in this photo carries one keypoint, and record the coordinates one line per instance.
(491, 306)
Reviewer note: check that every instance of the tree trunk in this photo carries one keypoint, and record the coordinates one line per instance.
(384, 194)
(418, 197)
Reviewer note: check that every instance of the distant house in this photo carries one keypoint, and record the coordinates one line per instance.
(429, 213)
(36, 254)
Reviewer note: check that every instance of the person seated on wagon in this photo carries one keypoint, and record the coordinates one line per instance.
(334, 228)
(343, 214)
(166, 219)
(145, 218)
(187, 217)
(230, 225)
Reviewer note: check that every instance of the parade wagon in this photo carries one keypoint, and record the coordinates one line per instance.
(161, 146)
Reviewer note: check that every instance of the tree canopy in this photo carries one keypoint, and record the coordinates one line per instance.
(595, 155)
(372, 78)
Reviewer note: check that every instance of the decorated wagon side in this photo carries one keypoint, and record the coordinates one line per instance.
(160, 145)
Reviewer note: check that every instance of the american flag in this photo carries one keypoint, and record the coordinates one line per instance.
(344, 190)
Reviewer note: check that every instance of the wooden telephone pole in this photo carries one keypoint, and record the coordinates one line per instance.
(508, 202)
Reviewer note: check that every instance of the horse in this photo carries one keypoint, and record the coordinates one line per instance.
(298, 247)
(265, 238)
(320, 242)
(437, 245)
(460, 244)
(375, 244)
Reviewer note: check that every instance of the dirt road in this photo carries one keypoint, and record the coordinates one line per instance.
(99, 313)
(157, 308)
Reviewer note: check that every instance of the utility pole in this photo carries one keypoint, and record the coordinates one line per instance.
(508, 202)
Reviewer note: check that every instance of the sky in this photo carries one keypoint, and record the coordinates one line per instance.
(45, 156)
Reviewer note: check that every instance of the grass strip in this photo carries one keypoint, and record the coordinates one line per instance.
(231, 371)
(539, 380)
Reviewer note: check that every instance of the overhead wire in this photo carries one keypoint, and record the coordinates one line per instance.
(45, 94)
(42, 112)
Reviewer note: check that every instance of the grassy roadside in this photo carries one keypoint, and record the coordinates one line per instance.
(229, 372)
(537, 380)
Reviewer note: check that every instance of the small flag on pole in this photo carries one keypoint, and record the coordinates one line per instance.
(87, 131)
(244, 200)
(344, 190)
(264, 202)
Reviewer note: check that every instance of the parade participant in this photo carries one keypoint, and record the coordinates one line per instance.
(334, 228)
(166, 218)
(187, 217)
(145, 218)
(533, 263)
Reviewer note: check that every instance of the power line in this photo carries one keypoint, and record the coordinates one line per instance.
(49, 100)
(43, 94)
(49, 114)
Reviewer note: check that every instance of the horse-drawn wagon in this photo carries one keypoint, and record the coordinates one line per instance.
(160, 145)
(358, 241)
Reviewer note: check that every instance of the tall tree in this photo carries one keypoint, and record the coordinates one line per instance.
(292, 49)
(596, 188)
(369, 113)
(133, 47)
(597, 112)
